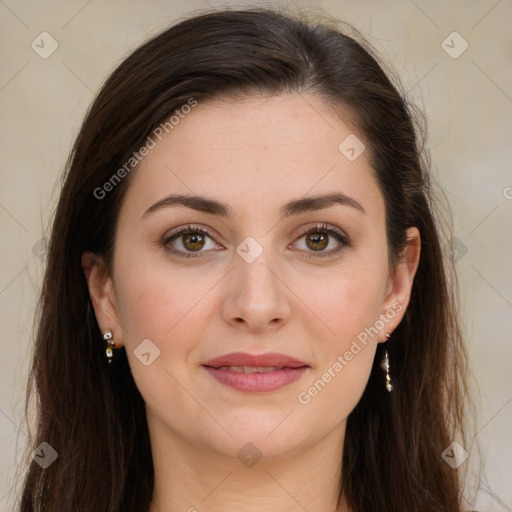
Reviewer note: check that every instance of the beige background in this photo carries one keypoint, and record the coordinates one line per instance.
(468, 101)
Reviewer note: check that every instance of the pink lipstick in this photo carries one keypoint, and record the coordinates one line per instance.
(255, 373)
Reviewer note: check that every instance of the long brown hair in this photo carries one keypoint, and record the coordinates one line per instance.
(93, 415)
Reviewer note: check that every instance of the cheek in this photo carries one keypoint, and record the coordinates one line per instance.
(346, 353)
(337, 388)
(171, 308)
(160, 311)
(349, 305)
(164, 308)
(155, 298)
(350, 301)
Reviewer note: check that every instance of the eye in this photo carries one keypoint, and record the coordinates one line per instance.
(189, 242)
(318, 238)
(192, 241)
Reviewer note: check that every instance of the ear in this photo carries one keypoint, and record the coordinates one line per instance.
(399, 287)
(101, 291)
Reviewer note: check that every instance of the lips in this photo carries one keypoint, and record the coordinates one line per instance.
(255, 360)
(251, 369)
(255, 373)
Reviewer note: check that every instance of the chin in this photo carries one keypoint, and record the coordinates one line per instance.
(249, 440)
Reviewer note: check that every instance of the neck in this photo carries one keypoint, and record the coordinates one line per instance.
(193, 478)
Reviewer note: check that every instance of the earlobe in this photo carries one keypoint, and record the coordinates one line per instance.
(101, 292)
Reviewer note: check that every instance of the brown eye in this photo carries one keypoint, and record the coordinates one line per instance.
(189, 242)
(322, 240)
(193, 241)
(317, 241)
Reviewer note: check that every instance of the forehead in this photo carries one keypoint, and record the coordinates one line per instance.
(273, 123)
(261, 147)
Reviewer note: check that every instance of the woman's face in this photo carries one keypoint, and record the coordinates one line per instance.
(246, 278)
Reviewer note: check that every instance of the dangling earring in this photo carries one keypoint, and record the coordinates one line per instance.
(385, 367)
(109, 339)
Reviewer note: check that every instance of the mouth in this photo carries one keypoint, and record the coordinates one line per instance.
(251, 369)
(256, 373)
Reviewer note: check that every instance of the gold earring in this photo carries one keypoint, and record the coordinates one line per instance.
(108, 337)
(385, 367)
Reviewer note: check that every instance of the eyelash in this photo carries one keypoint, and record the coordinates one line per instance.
(338, 235)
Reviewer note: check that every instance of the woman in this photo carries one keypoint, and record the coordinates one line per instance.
(246, 305)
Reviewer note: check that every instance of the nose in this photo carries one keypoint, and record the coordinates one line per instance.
(257, 298)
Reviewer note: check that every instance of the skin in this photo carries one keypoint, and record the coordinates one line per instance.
(254, 154)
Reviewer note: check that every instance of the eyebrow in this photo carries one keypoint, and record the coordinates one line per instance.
(294, 207)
